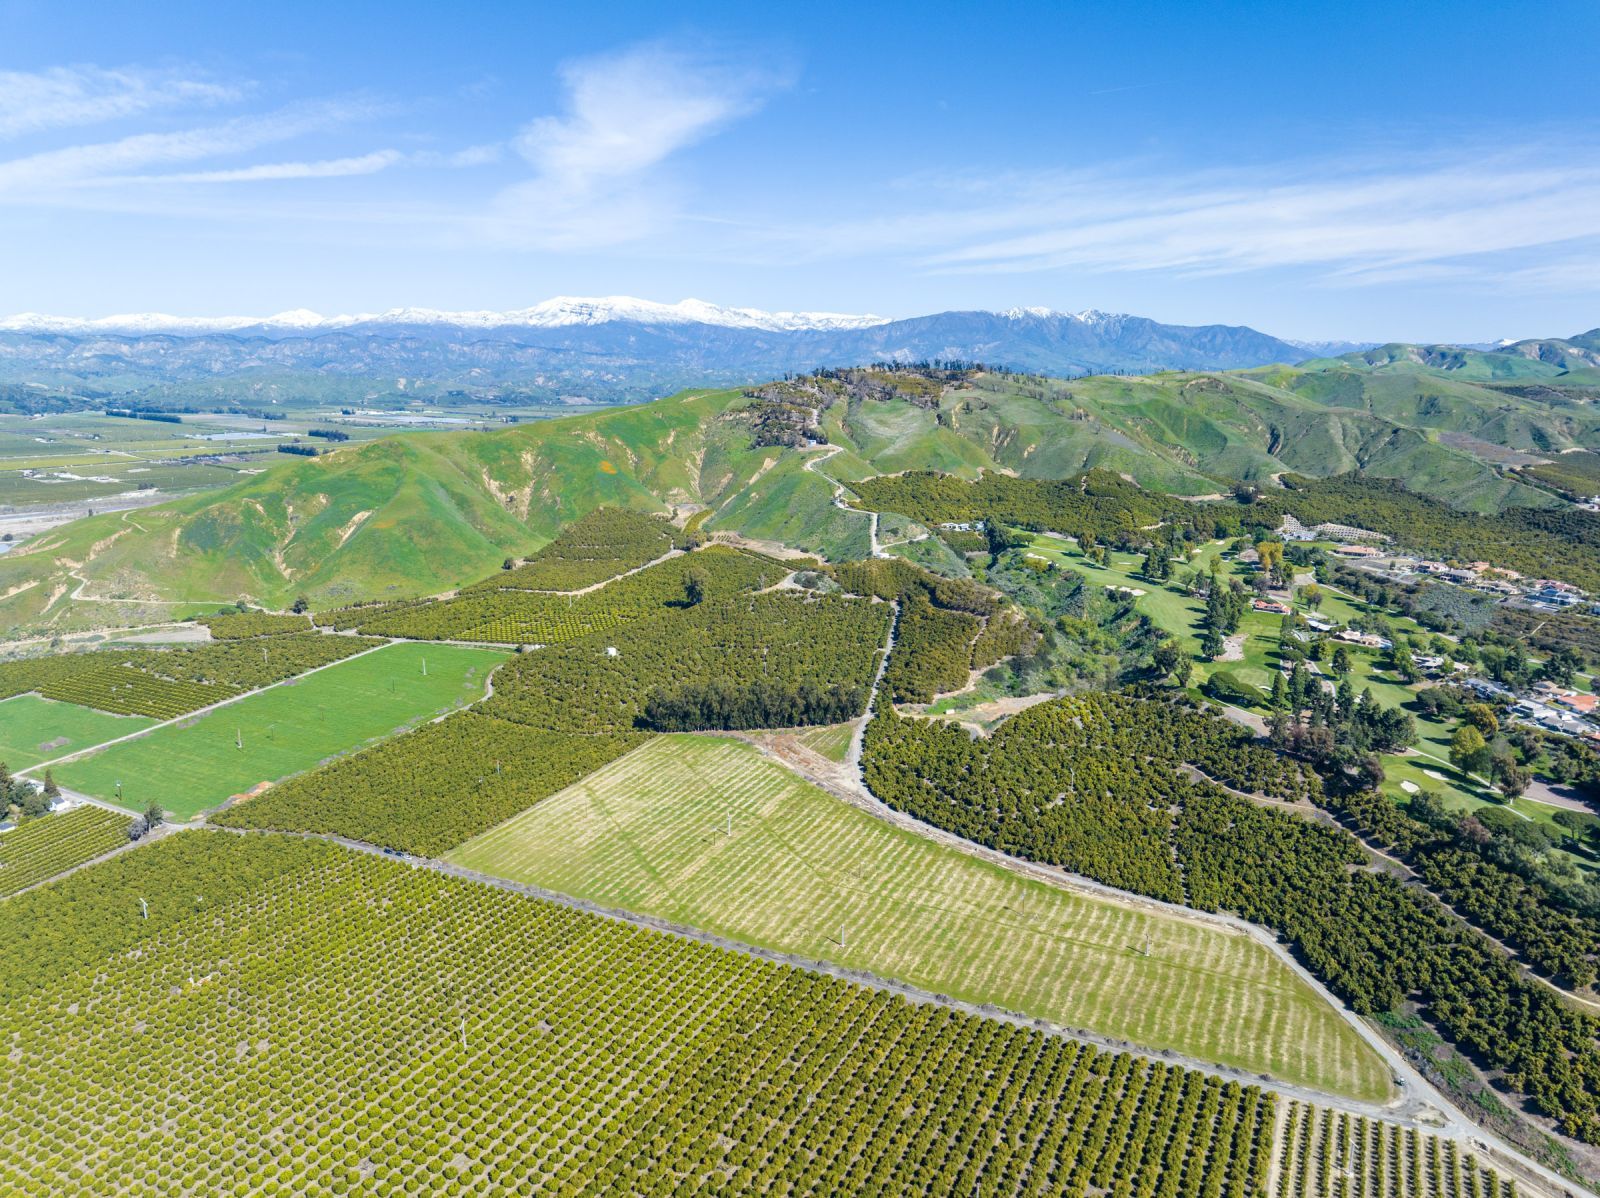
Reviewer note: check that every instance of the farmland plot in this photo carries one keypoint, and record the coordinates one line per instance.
(190, 766)
(345, 1024)
(33, 729)
(46, 845)
(705, 831)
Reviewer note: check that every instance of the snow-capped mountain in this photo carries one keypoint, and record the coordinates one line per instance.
(561, 312)
(610, 348)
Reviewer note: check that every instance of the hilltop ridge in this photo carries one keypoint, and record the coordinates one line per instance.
(422, 513)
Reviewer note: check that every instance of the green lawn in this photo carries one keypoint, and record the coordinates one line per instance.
(34, 729)
(1427, 768)
(1176, 612)
(194, 765)
(805, 873)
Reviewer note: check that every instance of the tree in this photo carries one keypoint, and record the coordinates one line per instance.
(50, 787)
(1311, 595)
(1279, 699)
(1300, 688)
(1579, 825)
(999, 538)
(1468, 750)
(1183, 670)
(300, 606)
(1561, 665)
(508, 564)
(153, 816)
(1508, 775)
(1157, 566)
(1165, 657)
(1341, 661)
(1228, 687)
(694, 588)
(1211, 644)
(1481, 716)
(1270, 555)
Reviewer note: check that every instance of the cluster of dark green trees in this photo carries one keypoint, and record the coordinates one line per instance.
(1340, 732)
(23, 795)
(1226, 603)
(763, 703)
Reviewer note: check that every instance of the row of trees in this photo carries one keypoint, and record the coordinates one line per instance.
(724, 704)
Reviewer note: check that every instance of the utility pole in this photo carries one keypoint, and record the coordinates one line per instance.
(424, 667)
(238, 738)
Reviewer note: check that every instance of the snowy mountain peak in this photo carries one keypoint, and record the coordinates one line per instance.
(1087, 316)
(560, 312)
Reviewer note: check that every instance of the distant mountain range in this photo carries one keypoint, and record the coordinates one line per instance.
(618, 349)
(610, 349)
(560, 312)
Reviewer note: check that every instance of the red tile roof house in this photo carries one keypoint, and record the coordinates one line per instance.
(1579, 702)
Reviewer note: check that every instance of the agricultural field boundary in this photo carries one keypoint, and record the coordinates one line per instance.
(199, 711)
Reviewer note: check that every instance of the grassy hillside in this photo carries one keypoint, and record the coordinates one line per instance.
(428, 512)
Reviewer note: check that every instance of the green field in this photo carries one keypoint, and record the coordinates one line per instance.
(34, 729)
(188, 767)
(804, 873)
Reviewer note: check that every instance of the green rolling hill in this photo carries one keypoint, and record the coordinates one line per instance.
(422, 513)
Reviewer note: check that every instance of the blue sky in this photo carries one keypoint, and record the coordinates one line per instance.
(1373, 171)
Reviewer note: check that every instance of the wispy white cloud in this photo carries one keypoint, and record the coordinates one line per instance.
(597, 178)
(1476, 215)
(76, 166)
(1349, 223)
(330, 168)
(62, 97)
